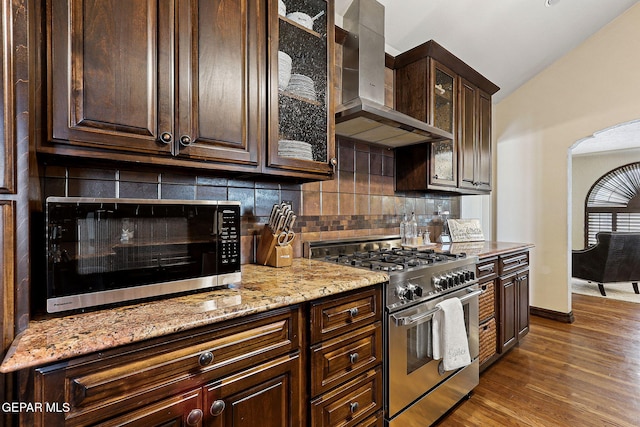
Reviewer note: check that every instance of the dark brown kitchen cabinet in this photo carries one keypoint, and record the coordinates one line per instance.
(174, 78)
(301, 134)
(514, 299)
(504, 304)
(435, 86)
(242, 372)
(474, 138)
(346, 359)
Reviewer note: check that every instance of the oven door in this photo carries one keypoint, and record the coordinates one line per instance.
(412, 371)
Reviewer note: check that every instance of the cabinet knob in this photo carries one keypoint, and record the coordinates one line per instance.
(185, 140)
(435, 176)
(205, 359)
(353, 358)
(353, 312)
(334, 163)
(195, 417)
(217, 407)
(353, 407)
(166, 137)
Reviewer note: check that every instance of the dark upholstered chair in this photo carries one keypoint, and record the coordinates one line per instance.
(614, 258)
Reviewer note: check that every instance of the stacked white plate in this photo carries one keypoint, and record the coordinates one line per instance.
(282, 8)
(302, 85)
(284, 70)
(295, 149)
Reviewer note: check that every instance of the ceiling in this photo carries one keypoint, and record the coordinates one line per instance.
(507, 41)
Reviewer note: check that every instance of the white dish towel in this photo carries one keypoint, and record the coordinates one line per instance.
(450, 335)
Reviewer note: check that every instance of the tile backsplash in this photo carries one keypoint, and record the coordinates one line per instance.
(360, 201)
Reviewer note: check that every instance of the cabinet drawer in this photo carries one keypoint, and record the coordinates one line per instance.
(125, 379)
(340, 315)
(486, 300)
(339, 359)
(487, 269)
(514, 262)
(350, 403)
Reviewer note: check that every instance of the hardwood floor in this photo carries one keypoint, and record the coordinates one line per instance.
(581, 374)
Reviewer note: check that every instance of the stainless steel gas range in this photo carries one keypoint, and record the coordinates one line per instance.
(417, 389)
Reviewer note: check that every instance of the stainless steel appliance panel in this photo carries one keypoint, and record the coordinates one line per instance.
(411, 368)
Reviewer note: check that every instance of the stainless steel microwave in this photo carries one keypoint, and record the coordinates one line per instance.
(108, 251)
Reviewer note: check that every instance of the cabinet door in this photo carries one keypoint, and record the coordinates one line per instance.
(467, 135)
(474, 138)
(483, 152)
(443, 97)
(301, 133)
(508, 312)
(7, 269)
(110, 73)
(523, 303)
(266, 396)
(221, 70)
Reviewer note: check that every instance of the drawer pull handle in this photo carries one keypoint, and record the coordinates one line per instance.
(353, 312)
(353, 407)
(353, 358)
(205, 359)
(217, 407)
(195, 417)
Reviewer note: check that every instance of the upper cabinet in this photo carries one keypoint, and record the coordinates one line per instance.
(474, 138)
(164, 78)
(301, 121)
(435, 86)
(191, 83)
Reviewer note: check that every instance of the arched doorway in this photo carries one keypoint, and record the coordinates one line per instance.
(590, 160)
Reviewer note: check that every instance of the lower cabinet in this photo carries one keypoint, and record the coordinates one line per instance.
(268, 370)
(346, 360)
(240, 373)
(514, 309)
(505, 280)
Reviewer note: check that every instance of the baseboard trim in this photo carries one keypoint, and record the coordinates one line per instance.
(553, 315)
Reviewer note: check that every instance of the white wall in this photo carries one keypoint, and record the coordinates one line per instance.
(585, 171)
(594, 87)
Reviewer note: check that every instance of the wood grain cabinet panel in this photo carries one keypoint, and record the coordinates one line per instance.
(7, 269)
(336, 360)
(7, 135)
(266, 396)
(350, 403)
(345, 383)
(123, 380)
(337, 316)
(169, 78)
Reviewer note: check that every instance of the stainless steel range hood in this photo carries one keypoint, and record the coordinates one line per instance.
(363, 115)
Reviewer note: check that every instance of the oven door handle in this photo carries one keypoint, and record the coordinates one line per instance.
(408, 320)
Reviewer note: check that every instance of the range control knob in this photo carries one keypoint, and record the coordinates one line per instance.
(416, 291)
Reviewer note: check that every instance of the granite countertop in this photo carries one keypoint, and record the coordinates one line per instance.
(262, 288)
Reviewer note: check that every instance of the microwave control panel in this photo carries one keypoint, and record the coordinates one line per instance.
(229, 239)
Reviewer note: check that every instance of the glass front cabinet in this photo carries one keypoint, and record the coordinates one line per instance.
(444, 153)
(301, 125)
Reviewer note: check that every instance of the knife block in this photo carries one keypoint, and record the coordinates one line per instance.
(270, 253)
